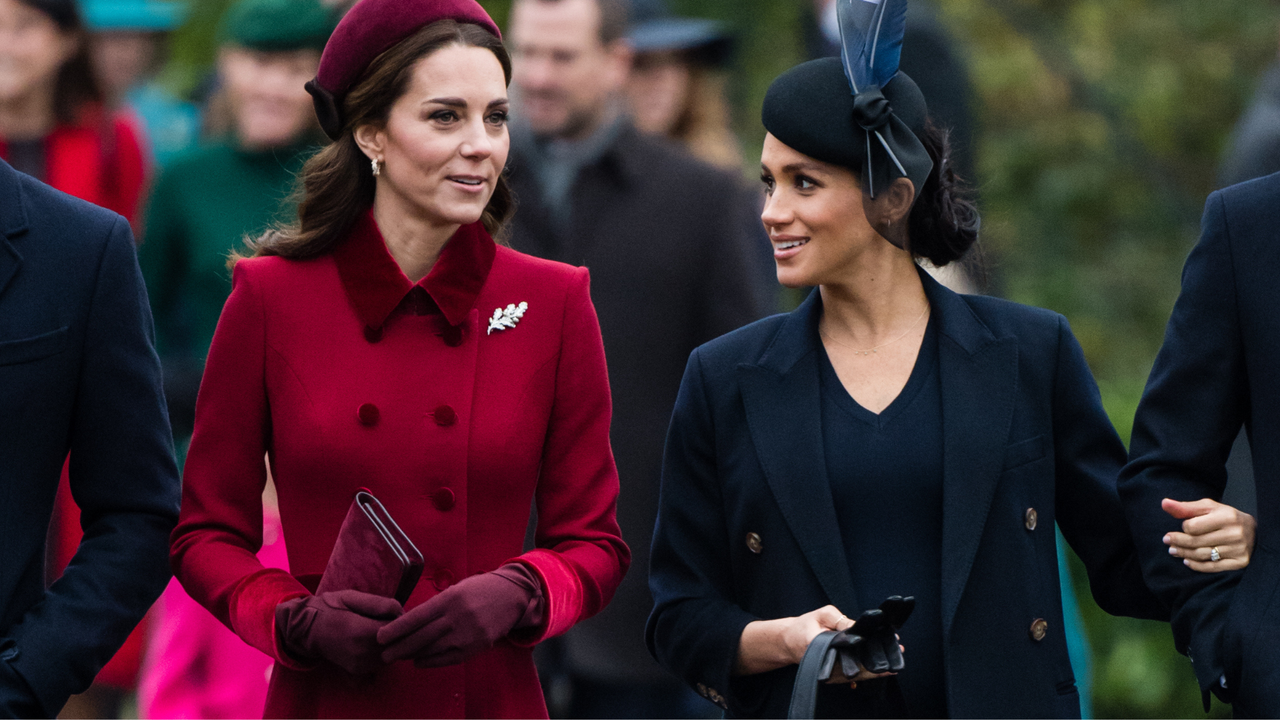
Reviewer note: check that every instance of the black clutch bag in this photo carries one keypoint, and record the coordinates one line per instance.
(372, 554)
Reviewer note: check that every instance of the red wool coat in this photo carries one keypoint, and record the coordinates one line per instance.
(456, 428)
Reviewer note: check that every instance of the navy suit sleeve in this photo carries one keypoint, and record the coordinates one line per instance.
(695, 626)
(1089, 455)
(124, 480)
(1190, 414)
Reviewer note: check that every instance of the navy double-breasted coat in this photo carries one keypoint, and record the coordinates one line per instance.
(1024, 431)
(1214, 374)
(78, 374)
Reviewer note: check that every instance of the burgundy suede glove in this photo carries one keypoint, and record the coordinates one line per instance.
(466, 619)
(341, 627)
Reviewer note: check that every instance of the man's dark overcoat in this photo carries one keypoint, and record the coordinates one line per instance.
(747, 528)
(1213, 374)
(78, 374)
(675, 251)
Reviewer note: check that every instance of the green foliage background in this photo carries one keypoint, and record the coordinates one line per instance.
(1101, 123)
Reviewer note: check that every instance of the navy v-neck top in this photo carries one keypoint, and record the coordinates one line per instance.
(886, 481)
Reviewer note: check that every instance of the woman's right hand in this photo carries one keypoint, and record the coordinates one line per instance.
(770, 644)
(341, 627)
(801, 632)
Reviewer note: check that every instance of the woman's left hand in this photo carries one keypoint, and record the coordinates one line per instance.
(1208, 526)
(465, 620)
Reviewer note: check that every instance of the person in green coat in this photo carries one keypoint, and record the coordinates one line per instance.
(208, 200)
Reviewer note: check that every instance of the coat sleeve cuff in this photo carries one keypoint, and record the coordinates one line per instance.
(1209, 673)
(563, 593)
(253, 611)
(18, 698)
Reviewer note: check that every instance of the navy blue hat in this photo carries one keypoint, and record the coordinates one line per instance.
(654, 29)
(810, 109)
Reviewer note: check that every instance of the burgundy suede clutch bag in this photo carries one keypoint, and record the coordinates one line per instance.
(372, 554)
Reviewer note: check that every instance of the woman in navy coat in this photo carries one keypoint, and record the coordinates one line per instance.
(889, 437)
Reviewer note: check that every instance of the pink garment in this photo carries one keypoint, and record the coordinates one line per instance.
(195, 667)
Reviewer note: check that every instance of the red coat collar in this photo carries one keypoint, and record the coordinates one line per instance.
(375, 285)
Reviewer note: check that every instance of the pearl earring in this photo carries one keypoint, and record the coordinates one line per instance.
(377, 167)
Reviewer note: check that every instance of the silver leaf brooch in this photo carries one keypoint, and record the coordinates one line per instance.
(506, 318)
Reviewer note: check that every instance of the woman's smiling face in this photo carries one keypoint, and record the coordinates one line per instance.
(814, 214)
(445, 141)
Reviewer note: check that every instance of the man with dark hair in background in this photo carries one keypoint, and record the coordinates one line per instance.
(669, 242)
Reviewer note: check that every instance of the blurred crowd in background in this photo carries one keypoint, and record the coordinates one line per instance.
(1091, 133)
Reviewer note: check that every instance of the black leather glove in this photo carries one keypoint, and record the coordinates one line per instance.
(872, 643)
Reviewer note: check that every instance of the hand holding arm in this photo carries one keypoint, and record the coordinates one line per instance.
(1208, 525)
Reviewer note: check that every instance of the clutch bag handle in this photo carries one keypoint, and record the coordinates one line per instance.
(804, 696)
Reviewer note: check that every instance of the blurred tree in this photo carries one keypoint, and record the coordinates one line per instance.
(193, 47)
(1102, 125)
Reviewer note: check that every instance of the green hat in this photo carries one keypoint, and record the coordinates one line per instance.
(275, 25)
(154, 15)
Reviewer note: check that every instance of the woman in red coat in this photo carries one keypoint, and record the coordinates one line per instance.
(386, 342)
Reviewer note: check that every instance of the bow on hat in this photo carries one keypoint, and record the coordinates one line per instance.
(871, 46)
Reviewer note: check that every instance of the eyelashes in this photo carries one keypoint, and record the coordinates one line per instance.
(498, 117)
(802, 183)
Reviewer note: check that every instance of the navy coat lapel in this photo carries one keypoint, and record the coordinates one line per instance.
(782, 400)
(979, 378)
(13, 222)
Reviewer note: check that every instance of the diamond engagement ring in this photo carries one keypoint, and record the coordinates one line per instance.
(1214, 555)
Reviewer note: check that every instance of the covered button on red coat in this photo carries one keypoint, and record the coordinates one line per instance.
(368, 414)
(443, 499)
(452, 336)
(372, 334)
(444, 416)
(442, 579)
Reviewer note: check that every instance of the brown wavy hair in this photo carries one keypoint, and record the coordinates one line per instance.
(336, 186)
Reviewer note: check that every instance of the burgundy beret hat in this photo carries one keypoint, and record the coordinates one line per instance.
(369, 29)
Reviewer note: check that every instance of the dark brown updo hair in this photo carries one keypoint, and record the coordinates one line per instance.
(944, 221)
(336, 186)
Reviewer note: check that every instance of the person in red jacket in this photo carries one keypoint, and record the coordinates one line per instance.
(53, 124)
(386, 342)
